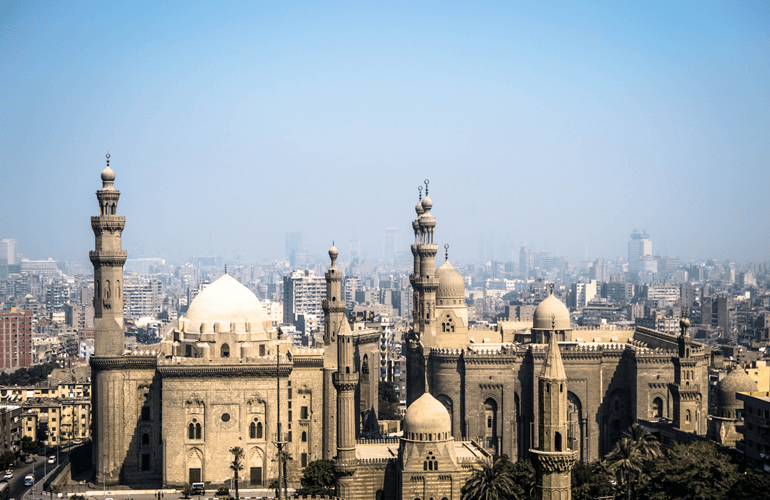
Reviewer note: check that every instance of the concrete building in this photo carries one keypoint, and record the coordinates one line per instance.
(583, 293)
(15, 339)
(303, 292)
(756, 429)
(10, 428)
(8, 251)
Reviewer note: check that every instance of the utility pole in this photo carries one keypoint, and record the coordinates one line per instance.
(279, 441)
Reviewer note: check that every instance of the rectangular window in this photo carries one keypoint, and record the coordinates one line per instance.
(303, 460)
(289, 437)
(289, 391)
(303, 413)
(145, 461)
(256, 476)
(289, 415)
(145, 413)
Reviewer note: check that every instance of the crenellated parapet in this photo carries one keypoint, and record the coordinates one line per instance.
(99, 363)
(379, 441)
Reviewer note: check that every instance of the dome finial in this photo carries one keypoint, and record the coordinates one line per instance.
(108, 158)
(426, 186)
(420, 190)
(225, 268)
(551, 287)
(446, 251)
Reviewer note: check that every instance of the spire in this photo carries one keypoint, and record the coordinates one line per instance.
(446, 251)
(553, 368)
(426, 187)
(420, 195)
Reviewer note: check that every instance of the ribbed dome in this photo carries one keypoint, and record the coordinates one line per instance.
(735, 381)
(450, 282)
(226, 301)
(551, 313)
(427, 420)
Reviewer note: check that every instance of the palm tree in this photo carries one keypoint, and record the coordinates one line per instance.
(490, 481)
(236, 466)
(285, 457)
(648, 444)
(627, 462)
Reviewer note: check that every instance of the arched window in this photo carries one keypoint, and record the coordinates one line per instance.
(687, 416)
(252, 430)
(657, 408)
(259, 430)
(198, 431)
(557, 441)
(191, 431)
(304, 437)
(225, 352)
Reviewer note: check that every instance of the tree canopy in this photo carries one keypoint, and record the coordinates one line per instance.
(691, 471)
(317, 479)
(492, 479)
(388, 403)
(28, 376)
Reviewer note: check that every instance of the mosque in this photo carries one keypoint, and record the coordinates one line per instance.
(167, 414)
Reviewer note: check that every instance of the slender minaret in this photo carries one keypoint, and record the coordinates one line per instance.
(108, 259)
(554, 457)
(425, 283)
(345, 381)
(334, 315)
(685, 389)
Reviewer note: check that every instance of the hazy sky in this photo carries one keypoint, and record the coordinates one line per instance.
(565, 125)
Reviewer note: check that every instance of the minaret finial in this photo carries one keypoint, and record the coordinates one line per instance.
(225, 268)
(426, 186)
(551, 287)
(420, 190)
(108, 158)
(446, 251)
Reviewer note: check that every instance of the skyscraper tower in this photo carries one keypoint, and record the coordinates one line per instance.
(334, 319)
(345, 381)
(554, 457)
(425, 283)
(108, 259)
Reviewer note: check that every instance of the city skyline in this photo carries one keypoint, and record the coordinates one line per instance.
(564, 126)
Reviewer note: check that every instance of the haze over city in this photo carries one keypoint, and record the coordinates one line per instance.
(565, 126)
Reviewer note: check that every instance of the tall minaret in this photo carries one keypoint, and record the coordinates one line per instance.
(108, 259)
(554, 457)
(334, 315)
(685, 389)
(425, 283)
(345, 381)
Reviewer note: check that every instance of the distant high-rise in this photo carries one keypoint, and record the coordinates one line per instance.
(391, 243)
(15, 339)
(526, 262)
(294, 250)
(599, 272)
(8, 251)
(303, 292)
(640, 253)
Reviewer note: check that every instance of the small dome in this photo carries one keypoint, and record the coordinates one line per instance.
(735, 381)
(226, 301)
(684, 322)
(451, 284)
(551, 314)
(333, 252)
(427, 203)
(427, 417)
(418, 208)
(108, 175)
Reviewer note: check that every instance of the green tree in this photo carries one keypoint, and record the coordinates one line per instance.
(626, 461)
(317, 479)
(236, 466)
(387, 402)
(691, 471)
(648, 444)
(751, 485)
(491, 480)
(30, 446)
(590, 481)
(285, 457)
(7, 460)
(187, 490)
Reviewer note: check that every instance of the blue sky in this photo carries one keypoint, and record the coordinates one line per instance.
(562, 124)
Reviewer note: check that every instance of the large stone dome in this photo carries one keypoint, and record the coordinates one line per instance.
(228, 303)
(551, 314)
(427, 420)
(450, 283)
(735, 381)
